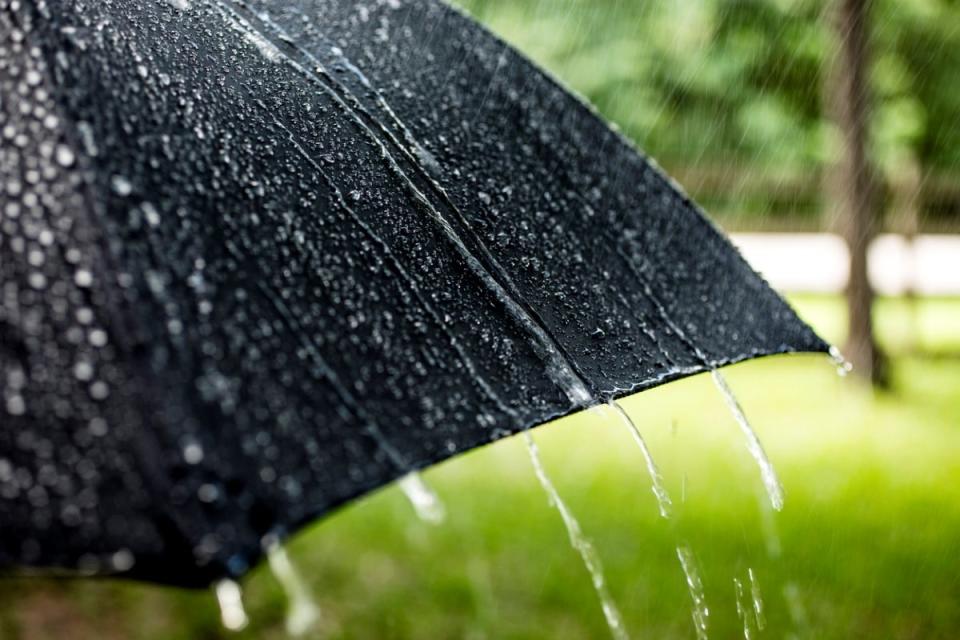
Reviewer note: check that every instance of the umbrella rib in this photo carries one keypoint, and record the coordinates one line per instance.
(574, 191)
(662, 312)
(560, 366)
(404, 274)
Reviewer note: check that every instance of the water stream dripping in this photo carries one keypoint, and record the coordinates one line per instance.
(664, 503)
(769, 475)
(302, 612)
(579, 542)
(230, 598)
(695, 585)
(425, 501)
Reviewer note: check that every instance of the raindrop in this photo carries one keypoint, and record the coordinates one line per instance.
(757, 599)
(843, 365)
(151, 214)
(192, 453)
(425, 501)
(769, 475)
(37, 280)
(122, 560)
(121, 186)
(99, 390)
(742, 609)
(579, 542)
(98, 338)
(695, 586)
(15, 405)
(230, 599)
(64, 156)
(208, 493)
(83, 278)
(83, 371)
(86, 137)
(98, 427)
(302, 613)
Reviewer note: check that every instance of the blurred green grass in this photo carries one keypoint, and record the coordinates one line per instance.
(866, 545)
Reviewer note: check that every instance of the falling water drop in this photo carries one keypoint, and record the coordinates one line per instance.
(757, 599)
(743, 611)
(695, 586)
(768, 527)
(579, 542)
(425, 501)
(767, 472)
(230, 599)
(798, 613)
(843, 365)
(302, 612)
(663, 498)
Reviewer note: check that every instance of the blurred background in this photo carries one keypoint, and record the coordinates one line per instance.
(825, 135)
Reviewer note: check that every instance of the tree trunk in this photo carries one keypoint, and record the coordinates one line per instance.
(853, 187)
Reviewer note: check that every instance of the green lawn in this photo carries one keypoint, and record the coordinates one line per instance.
(866, 546)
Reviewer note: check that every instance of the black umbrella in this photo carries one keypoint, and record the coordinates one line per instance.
(259, 258)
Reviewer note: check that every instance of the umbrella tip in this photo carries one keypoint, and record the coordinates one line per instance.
(843, 365)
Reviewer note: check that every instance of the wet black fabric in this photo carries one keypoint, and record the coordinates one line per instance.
(257, 259)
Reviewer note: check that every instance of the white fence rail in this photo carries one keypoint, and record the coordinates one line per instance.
(819, 262)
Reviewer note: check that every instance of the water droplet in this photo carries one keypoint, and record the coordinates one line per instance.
(64, 156)
(15, 405)
(121, 186)
(83, 371)
(192, 453)
(99, 390)
(208, 493)
(842, 364)
(757, 599)
(83, 278)
(230, 598)
(122, 560)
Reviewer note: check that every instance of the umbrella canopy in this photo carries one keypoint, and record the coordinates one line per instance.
(259, 258)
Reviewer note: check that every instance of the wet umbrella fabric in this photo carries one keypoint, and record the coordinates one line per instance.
(260, 258)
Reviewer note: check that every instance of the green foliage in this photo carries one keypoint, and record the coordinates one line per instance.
(735, 86)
